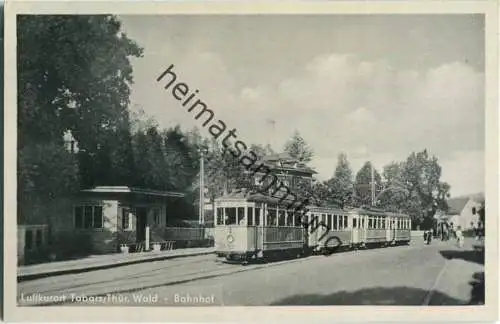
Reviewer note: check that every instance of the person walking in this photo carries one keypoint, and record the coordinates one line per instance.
(460, 237)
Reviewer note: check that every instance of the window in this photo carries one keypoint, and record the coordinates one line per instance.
(257, 216)
(250, 215)
(126, 218)
(230, 216)
(281, 218)
(335, 222)
(39, 235)
(88, 217)
(354, 223)
(271, 217)
(28, 240)
(329, 221)
(346, 224)
(156, 216)
(241, 216)
(220, 216)
(323, 219)
(289, 218)
(97, 219)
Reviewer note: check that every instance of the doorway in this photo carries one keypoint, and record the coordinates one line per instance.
(141, 224)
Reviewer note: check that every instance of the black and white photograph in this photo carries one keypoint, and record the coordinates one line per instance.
(217, 160)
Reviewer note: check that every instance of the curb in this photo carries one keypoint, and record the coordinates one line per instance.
(39, 275)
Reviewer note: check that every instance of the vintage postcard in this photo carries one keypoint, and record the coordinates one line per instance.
(247, 162)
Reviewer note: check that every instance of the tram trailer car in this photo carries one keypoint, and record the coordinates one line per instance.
(254, 226)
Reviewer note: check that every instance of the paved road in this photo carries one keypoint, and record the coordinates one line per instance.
(438, 274)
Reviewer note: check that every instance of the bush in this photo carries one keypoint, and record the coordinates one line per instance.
(71, 245)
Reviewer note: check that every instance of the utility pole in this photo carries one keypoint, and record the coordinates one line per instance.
(202, 190)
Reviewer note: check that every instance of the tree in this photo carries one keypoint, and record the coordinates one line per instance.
(395, 191)
(420, 192)
(45, 173)
(363, 182)
(297, 148)
(340, 186)
(73, 74)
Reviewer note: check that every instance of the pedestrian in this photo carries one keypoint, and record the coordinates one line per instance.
(460, 237)
(476, 232)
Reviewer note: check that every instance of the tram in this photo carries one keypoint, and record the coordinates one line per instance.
(251, 226)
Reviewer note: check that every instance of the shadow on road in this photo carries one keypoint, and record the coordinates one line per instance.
(477, 283)
(476, 256)
(371, 296)
(477, 293)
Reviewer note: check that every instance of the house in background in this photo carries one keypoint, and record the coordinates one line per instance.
(278, 171)
(462, 211)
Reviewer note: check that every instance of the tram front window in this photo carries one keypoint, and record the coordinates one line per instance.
(230, 216)
(241, 216)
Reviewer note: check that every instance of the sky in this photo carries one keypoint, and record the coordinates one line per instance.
(375, 87)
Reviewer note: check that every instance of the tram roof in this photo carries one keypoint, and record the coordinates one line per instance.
(250, 196)
(378, 212)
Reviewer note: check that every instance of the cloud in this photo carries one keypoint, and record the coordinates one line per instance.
(338, 102)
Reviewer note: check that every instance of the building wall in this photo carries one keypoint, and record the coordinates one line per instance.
(465, 218)
(68, 240)
(26, 251)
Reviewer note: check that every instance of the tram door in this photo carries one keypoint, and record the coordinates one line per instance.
(355, 229)
(361, 228)
(388, 229)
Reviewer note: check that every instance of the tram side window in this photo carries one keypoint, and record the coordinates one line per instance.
(323, 219)
(346, 224)
(329, 221)
(289, 218)
(220, 216)
(281, 219)
(271, 217)
(354, 223)
(230, 216)
(335, 222)
(299, 218)
(369, 223)
(250, 216)
(257, 216)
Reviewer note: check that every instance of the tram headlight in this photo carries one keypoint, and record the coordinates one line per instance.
(230, 238)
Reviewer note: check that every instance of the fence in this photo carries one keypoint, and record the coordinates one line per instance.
(183, 237)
